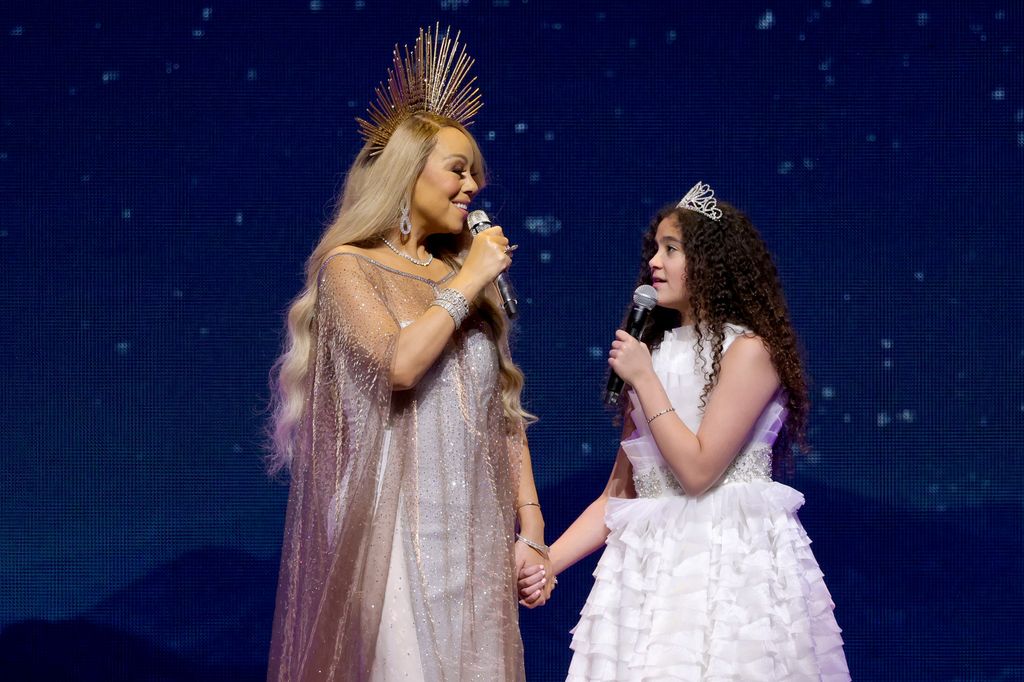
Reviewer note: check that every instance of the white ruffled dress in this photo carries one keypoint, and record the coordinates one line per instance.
(718, 587)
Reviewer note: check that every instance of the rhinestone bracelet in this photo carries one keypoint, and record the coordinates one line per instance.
(541, 549)
(454, 303)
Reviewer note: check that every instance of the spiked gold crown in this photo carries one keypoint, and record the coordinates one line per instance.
(429, 78)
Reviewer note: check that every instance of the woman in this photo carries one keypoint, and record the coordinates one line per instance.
(707, 573)
(398, 415)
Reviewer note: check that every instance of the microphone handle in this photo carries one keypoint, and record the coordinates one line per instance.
(635, 325)
(508, 297)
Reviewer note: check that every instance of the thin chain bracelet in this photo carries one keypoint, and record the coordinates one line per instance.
(663, 412)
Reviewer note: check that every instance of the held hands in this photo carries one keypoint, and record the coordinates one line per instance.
(534, 587)
(629, 358)
(536, 578)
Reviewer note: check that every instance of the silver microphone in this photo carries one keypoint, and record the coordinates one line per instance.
(478, 221)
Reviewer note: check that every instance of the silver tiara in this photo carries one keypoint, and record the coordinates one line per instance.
(701, 198)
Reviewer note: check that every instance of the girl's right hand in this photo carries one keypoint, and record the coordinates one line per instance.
(488, 257)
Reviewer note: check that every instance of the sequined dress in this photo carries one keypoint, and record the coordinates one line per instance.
(398, 560)
(717, 587)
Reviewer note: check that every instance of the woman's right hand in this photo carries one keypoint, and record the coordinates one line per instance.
(488, 257)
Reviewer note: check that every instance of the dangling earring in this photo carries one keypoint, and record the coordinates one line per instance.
(405, 227)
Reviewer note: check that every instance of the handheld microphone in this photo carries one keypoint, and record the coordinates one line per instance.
(478, 222)
(644, 299)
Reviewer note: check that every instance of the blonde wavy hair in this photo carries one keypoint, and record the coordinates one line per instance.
(369, 208)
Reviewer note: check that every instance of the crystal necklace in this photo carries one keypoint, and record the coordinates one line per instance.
(403, 254)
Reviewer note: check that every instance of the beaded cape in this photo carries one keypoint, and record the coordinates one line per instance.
(398, 495)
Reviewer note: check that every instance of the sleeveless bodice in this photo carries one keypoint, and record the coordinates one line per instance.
(681, 373)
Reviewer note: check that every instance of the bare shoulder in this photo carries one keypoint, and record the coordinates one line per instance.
(747, 368)
(350, 249)
(332, 261)
(748, 350)
(344, 266)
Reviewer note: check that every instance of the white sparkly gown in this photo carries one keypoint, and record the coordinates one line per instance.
(718, 587)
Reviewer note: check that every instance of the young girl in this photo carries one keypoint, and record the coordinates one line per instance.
(707, 574)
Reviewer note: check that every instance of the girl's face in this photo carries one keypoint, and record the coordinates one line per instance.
(441, 196)
(668, 267)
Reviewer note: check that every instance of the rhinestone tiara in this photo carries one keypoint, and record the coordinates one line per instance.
(701, 198)
(427, 78)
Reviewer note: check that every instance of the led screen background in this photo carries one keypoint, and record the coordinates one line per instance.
(165, 169)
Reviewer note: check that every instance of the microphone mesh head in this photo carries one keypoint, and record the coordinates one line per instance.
(477, 221)
(645, 296)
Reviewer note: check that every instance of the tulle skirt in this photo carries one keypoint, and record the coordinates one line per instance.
(718, 587)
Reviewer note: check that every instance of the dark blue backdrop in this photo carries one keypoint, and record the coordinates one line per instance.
(165, 168)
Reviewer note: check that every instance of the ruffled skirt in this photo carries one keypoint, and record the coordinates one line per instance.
(718, 587)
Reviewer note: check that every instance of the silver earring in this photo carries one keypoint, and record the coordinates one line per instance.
(405, 227)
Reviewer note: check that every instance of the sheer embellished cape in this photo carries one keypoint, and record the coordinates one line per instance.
(432, 471)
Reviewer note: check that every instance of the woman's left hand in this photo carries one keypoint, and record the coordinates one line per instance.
(526, 557)
(629, 358)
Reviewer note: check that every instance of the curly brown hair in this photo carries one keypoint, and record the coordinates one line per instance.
(731, 278)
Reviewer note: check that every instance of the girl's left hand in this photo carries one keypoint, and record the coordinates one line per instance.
(629, 358)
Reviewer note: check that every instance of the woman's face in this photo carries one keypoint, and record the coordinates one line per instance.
(668, 267)
(445, 188)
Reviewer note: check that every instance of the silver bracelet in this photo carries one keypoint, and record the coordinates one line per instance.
(454, 303)
(650, 419)
(541, 549)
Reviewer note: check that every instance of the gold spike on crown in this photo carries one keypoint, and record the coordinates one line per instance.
(701, 198)
(430, 78)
